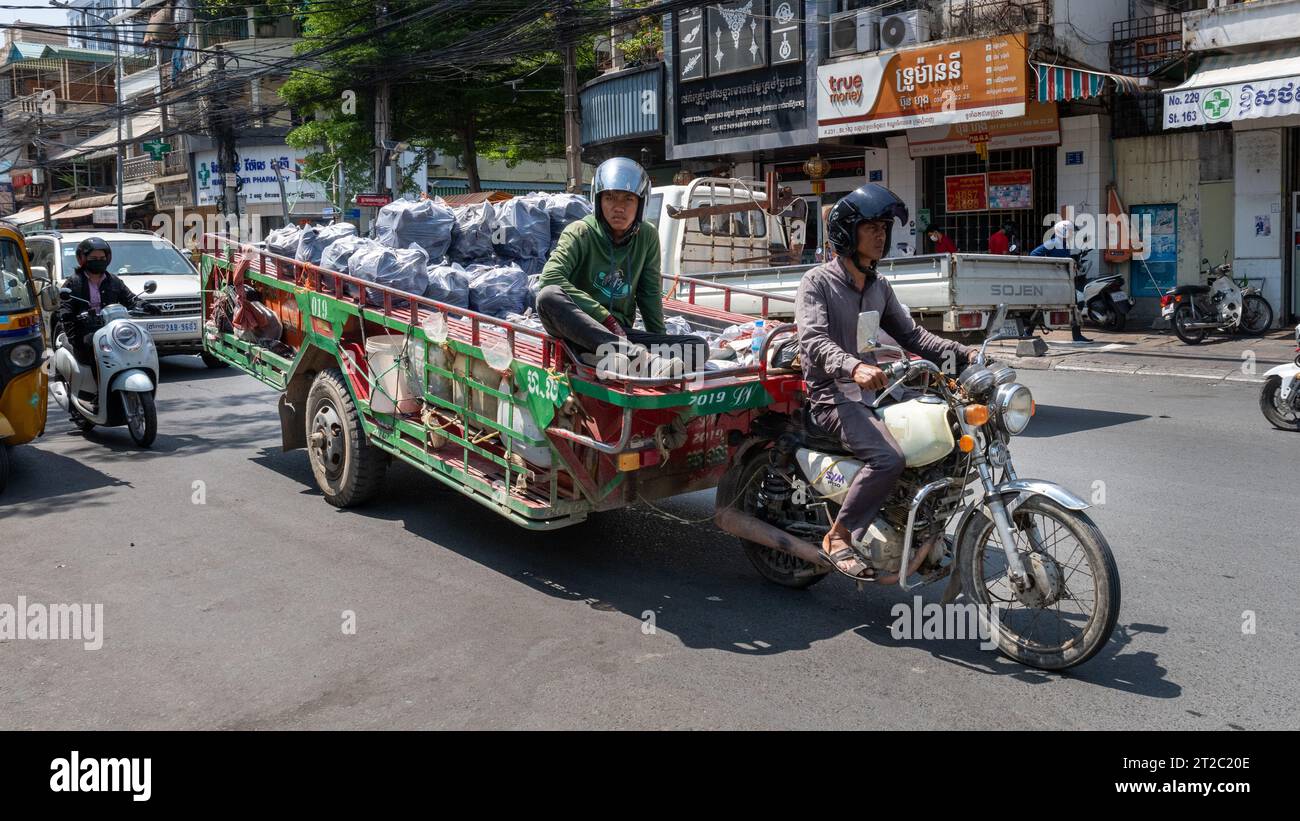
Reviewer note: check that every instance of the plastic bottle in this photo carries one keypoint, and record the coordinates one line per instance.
(756, 342)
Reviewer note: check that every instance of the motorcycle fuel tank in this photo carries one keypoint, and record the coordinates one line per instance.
(921, 428)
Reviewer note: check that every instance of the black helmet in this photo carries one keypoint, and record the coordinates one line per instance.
(870, 203)
(1009, 228)
(621, 174)
(93, 244)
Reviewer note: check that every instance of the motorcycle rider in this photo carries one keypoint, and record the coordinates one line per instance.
(605, 267)
(841, 386)
(92, 283)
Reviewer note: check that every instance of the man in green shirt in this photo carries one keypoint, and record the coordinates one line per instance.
(604, 269)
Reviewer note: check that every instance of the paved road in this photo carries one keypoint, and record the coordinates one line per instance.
(229, 614)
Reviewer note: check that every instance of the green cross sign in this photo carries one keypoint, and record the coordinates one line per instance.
(1216, 104)
(156, 148)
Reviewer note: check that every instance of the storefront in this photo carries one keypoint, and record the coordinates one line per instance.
(1257, 95)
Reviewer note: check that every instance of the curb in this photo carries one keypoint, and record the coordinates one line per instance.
(1213, 374)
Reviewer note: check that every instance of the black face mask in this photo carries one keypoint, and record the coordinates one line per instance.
(96, 266)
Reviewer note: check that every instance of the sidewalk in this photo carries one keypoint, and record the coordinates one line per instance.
(1157, 353)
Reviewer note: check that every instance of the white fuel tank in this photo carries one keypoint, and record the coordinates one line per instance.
(921, 428)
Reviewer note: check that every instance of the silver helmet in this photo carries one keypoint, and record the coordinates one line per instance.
(621, 174)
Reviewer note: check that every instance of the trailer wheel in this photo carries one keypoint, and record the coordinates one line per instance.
(348, 469)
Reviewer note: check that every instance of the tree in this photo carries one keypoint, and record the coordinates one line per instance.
(465, 81)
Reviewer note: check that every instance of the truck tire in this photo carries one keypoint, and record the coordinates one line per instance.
(348, 469)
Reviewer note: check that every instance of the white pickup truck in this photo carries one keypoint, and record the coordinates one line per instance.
(954, 294)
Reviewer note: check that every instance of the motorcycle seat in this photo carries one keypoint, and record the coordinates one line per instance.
(819, 439)
(1191, 290)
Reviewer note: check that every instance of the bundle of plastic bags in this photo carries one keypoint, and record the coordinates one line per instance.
(563, 209)
(336, 256)
(313, 241)
(522, 230)
(402, 268)
(426, 223)
(498, 291)
(448, 284)
(284, 241)
(471, 234)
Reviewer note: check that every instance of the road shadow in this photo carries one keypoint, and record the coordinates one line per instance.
(43, 483)
(1056, 420)
(687, 579)
(181, 368)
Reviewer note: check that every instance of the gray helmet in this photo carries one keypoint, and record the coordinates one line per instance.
(621, 174)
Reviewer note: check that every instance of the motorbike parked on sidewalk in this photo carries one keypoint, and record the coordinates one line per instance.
(1022, 549)
(1224, 305)
(119, 389)
(1103, 300)
(1279, 399)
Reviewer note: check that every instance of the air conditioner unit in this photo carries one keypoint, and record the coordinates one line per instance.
(854, 32)
(905, 29)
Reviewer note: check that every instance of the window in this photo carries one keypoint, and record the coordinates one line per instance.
(15, 292)
(137, 257)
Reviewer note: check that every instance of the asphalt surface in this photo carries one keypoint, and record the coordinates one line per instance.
(230, 613)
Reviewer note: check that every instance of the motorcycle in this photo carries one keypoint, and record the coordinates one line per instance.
(119, 389)
(1017, 546)
(1101, 300)
(1223, 305)
(1280, 397)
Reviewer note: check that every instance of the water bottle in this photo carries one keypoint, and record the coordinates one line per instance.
(756, 344)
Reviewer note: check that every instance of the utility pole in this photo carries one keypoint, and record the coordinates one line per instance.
(382, 110)
(41, 159)
(221, 131)
(572, 129)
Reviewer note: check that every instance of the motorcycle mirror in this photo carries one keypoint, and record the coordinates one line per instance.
(65, 293)
(868, 330)
(150, 287)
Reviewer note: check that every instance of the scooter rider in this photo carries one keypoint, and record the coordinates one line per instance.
(92, 283)
(841, 386)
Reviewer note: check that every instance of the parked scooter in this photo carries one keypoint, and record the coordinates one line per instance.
(1223, 305)
(1280, 397)
(1103, 300)
(119, 390)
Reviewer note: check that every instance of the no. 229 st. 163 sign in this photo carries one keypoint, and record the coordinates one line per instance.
(1240, 101)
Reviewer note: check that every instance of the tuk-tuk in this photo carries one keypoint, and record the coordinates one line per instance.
(22, 379)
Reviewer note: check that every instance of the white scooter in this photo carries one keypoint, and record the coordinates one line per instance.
(1280, 397)
(1103, 300)
(127, 363)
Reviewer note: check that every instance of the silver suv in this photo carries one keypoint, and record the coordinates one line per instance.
(137, 256)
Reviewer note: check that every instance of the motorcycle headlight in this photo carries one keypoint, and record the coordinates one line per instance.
(128, 336)
(22, 356)
(1014, 405)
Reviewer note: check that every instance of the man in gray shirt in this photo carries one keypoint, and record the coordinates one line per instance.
(841, 387)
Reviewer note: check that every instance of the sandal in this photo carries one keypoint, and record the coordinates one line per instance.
(846, 553)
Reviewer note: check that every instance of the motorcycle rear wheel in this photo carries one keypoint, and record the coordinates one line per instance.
(1183, 315)
(1115, 320)
(1277, 417)
(774, 565)
(984, 582)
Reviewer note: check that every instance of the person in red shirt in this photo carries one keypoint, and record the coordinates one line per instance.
(942, 244)
(1003, 239)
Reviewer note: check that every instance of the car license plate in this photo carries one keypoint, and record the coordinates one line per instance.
(1011, 327)
(191, 326)
(1119, 296)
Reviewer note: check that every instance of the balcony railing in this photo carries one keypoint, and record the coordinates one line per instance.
(983, 18)
(136, 169)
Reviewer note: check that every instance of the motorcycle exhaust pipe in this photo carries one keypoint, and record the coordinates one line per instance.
(753, 529)
(1202, 326)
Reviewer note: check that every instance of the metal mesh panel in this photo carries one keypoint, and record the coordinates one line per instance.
(971, 231)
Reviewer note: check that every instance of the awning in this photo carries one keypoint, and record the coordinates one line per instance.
(104, 144)
(1228, 87)
(37, 213)
(1061, 83)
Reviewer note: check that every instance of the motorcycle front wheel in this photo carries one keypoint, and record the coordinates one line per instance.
(1256, 315)
(141, 417)
(1067, 615)
(1278, 416)
(1182, 317)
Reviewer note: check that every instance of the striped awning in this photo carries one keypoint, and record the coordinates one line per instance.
(1059, 83)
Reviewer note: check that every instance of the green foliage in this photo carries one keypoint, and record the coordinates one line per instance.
(451, 90)
(645, 43)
